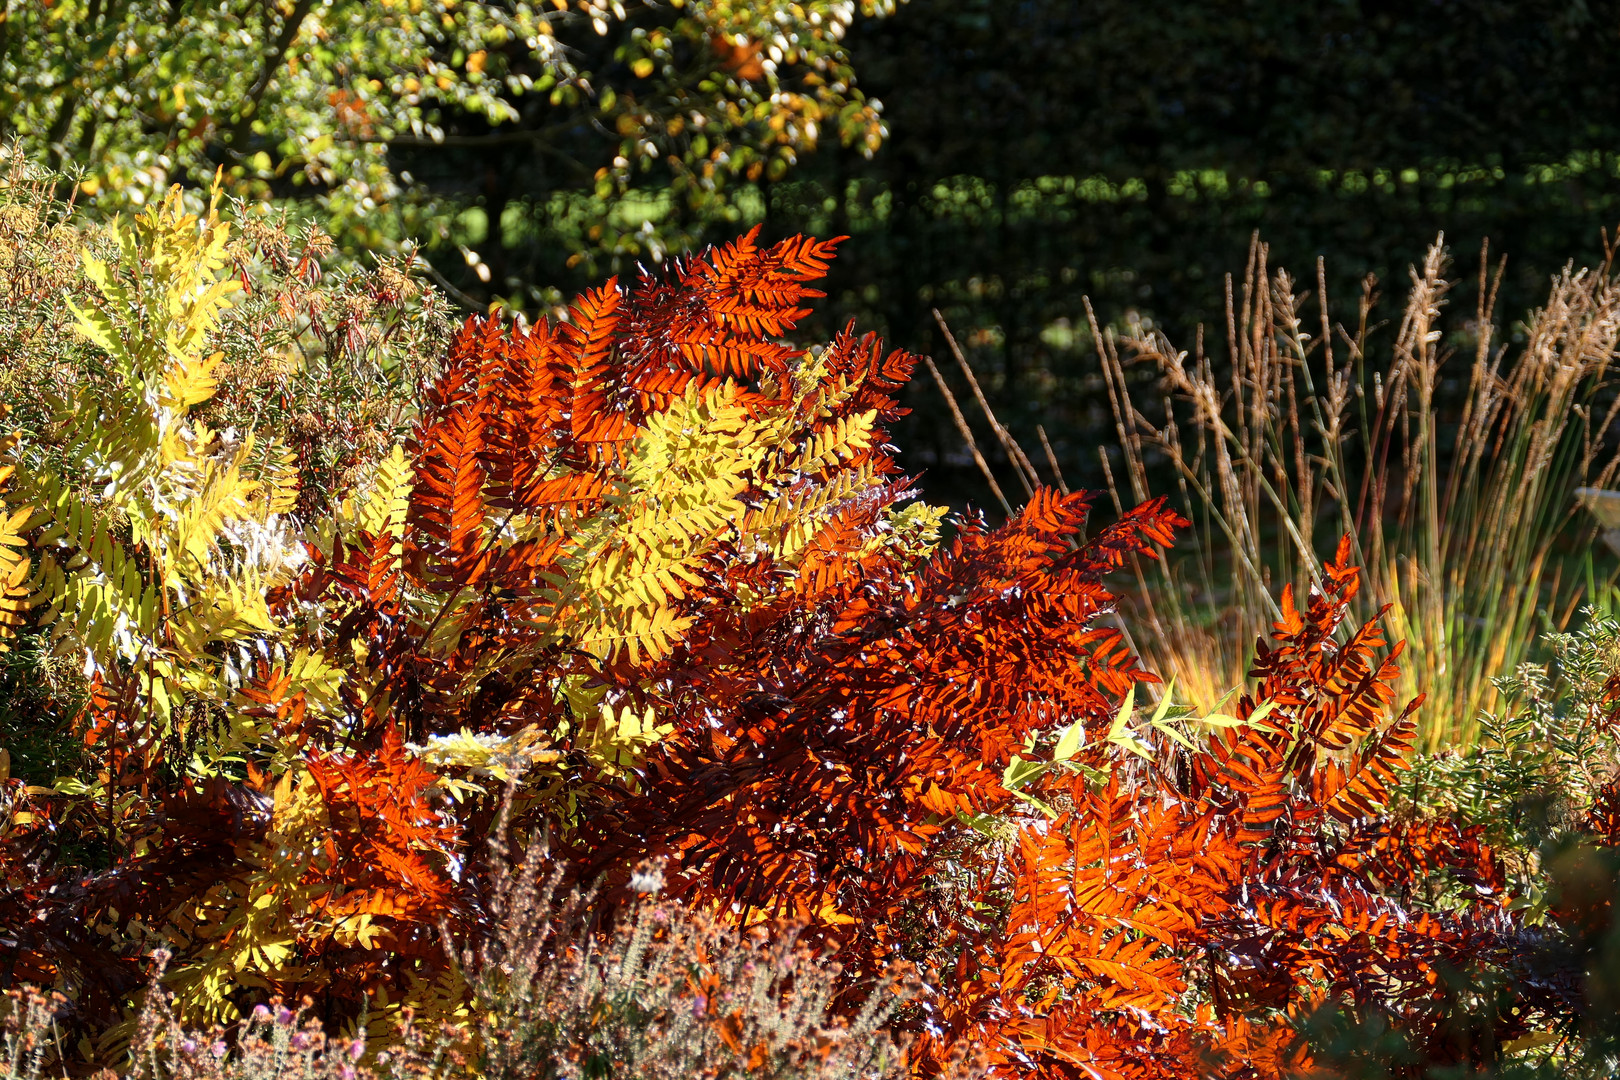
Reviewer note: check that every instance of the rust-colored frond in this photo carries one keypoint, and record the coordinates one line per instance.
(1603, 817)
(771, 274)
(570, 490)
(598, 399)
(1139, 531)
(385, 851)
(724, 313)
(447, 505)
(272, 696)
(1366, 789)
(465, 366)
(590, 332)
(656, 569)
(1403, 856)
(364, 568)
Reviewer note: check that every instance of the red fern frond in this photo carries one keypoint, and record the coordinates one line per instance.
(386, 848)
(1366, 789)
(1602, 819)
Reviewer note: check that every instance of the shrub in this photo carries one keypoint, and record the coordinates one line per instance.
(655, 570)
(329, 356)
(1543, 762)
(668, 993)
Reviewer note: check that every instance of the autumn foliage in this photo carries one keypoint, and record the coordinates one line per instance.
(652, 575)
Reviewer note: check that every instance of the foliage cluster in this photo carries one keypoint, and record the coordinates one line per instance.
(644, 583)
(670, 994)
(328, 356)
(1544, 763)
(320, 100)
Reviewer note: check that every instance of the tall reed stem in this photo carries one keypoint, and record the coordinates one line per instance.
(1284, 447)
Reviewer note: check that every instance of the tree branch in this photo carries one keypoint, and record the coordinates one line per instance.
(267, 70)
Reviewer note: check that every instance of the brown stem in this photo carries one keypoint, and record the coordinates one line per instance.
(267, 70)
(1051, 459)
(967, 435)
(1015, 453)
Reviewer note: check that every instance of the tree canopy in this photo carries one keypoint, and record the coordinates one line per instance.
(323, 99)
(1030, 153)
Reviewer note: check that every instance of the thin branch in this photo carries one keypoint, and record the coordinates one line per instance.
(1051, 459)
(290, 26)
(967, 435)
(1015, 453)
(451, 291)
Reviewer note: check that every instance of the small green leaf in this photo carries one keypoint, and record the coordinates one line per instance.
(1036, 803)
(1070, 742)
(1220, 720)
(1175, 734)
(1020, 772)
(1124, 717)
(1136, 746)
(1097, 776)
(1164, 702)
(983, 824)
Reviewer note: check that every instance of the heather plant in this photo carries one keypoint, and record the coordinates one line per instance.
(1541, 761)
(325, 353)
(672, 992)
(1542, 787)
(669, 993)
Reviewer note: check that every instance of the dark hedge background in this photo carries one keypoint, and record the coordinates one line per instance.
(1042, 150)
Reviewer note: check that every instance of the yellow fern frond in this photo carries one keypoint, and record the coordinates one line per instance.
(16, 518)
(388, 493)
(185, 543)
(790, 521)
(680, 493)
(189, 382)
(617, 742)
(913, 529)
(154, 329)
(281, 486)
(15, 568)
(484, 755)
(841, 440)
